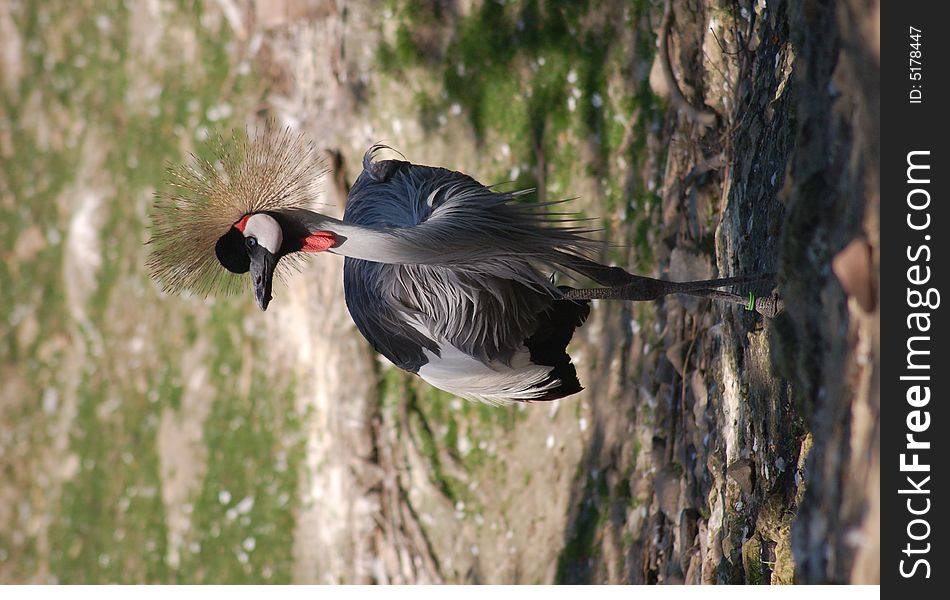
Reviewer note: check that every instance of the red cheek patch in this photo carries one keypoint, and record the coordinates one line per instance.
(318, 241)
(240, 225)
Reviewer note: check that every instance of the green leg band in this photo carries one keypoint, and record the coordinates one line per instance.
(751, 305)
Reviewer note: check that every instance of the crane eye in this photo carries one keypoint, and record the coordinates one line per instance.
(250, 242)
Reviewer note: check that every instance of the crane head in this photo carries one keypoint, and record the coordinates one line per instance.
(253, 245)
(229, 208)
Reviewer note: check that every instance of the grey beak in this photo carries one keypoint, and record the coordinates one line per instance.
(262, 275)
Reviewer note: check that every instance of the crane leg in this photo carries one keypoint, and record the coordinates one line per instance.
(646, 288)
(621, 285)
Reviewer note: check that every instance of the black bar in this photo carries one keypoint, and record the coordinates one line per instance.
(914, 128)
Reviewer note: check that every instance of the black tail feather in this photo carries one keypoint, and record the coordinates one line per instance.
(548, 345)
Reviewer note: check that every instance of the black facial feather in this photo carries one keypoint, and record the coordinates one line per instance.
(231, 252)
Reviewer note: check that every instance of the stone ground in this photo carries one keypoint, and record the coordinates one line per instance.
(716, 455)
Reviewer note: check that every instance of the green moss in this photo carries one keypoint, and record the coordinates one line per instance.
(109, 523)
(255, 448)
(581, 550)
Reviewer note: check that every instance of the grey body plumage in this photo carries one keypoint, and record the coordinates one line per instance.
(443, 276)
(469, 270)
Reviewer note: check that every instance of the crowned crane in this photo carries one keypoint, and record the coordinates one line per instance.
(446, 278)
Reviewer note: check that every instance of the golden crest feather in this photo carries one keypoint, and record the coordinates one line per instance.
(274, 170)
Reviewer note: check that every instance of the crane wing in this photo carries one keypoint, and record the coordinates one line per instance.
(479, 319)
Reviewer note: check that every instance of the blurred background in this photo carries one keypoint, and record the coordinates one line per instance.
(154, 438)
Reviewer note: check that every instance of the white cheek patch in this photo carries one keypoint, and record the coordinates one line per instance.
(267, 231)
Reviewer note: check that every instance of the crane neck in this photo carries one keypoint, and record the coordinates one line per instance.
(308, 231)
